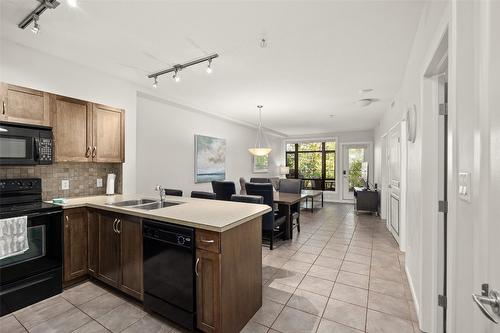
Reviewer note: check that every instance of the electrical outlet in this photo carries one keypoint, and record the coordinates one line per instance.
(65, 184)
(99, 182)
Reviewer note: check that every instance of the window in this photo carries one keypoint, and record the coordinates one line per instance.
(314, 162)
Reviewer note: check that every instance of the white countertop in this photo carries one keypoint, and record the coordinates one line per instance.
(205, 214)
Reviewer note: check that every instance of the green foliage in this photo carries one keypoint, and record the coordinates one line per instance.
(355, 179)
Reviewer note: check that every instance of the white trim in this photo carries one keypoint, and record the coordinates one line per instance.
(413, 294)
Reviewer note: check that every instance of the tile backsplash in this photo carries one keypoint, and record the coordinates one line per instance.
(82, 177)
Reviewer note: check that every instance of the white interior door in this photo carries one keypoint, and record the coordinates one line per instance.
(353, 155)
(487, 225)
(395, 180)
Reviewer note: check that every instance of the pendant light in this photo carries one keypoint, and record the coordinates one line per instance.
(258, 150)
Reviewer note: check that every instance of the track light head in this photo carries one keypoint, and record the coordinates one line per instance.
(209, 67)
(155, 83)
(176, 76)
(36, 27)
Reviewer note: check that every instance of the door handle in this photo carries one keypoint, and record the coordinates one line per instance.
(491, 298)
(119, 226)
(196, 266)
(114, 225)
(94, 151)
(209, 241)
(4, 107)
(87, 152)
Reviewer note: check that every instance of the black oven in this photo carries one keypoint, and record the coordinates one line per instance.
(25, 145)
(35, 274)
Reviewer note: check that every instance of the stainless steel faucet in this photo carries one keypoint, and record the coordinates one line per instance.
(160, 189)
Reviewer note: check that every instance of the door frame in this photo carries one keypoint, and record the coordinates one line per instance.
(341, 164)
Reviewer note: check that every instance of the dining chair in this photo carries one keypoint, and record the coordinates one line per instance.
(242, 185)
(255, 199)
(223, 189)
(272, 222)
(175, 193)
(259, 180)
(293, 186)
(203, 195)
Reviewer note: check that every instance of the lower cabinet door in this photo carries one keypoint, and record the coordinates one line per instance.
(208, 291)
(109, 250)
(93, 242)
(75, 243)
(131, 280)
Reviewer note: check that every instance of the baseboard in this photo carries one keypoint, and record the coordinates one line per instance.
(414, 297)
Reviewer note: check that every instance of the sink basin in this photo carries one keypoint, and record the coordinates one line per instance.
(128, 203)
(157, 205)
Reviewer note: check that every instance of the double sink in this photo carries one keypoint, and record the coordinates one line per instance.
(145, 204)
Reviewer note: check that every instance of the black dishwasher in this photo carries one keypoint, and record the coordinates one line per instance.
(169, 277)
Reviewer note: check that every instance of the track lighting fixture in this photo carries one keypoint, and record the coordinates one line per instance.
(36, 27)
(155, 83)
(35, 15)
(209, 67)
(179, 67)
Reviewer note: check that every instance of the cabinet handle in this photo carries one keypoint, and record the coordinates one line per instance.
(196, 266)
(67, 218)
(87, 152)
(4, 107)
(94, 152)
(114, 225)
(209, 241)
(119, 226)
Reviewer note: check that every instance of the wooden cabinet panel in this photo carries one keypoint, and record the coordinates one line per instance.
(72, 129)
(24, 105)
(93, 242)
(75, 243)
(131, 280)
(208, 289)
(208, 240)
(109, 255)
(108, 134)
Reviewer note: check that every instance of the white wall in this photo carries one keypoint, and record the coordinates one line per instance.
(419, 172)
(29, 68)
(341, 138)
(165, 146)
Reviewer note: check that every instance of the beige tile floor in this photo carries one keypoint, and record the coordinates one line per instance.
(342, 273)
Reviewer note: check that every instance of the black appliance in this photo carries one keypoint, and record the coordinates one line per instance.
(25, 145)
(36, 274)
(169, 272)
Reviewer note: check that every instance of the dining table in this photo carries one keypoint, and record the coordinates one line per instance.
(285, 201)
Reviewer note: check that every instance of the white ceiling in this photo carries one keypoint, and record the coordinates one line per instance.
(319, 54)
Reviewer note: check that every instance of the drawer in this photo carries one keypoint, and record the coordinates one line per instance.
(208, 240)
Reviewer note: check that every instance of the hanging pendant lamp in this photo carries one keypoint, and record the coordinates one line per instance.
(258, 150)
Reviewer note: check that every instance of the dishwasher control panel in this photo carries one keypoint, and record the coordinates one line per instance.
(169, 233)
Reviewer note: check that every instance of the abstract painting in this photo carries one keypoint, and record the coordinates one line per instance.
(209, 159)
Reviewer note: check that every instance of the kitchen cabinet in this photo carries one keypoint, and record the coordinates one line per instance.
(24, 105)
(120, 252)
(208, 290)
(75, 244)
(108, 134)
(131, 279)
(93, 242)
(87, 132)
(109, 249)
(228, 277)
(72, 128)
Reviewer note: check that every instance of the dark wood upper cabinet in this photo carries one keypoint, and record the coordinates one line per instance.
(24, 105)
(72, 127)
(107, 134)
(75, 243)
(109, 250)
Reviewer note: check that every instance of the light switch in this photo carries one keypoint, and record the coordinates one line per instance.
(65, 184)
(99, 182)
(464, 184)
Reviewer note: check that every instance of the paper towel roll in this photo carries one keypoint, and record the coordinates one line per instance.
(110, 184)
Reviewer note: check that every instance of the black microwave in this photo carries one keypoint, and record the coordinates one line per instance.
(25, 144)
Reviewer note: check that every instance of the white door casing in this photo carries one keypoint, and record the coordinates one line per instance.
(394, 216)
(348, 194)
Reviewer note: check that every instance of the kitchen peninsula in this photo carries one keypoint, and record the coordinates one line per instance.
(103, 239)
